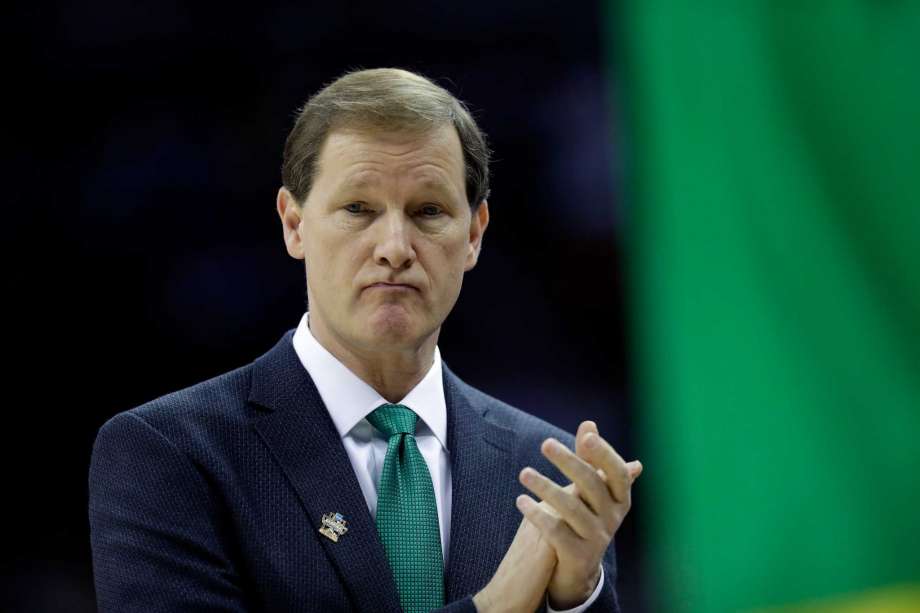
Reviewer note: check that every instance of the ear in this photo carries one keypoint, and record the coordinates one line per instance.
(478, 224)
(289, 210)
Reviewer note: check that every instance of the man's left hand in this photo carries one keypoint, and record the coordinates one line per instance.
(584, 515)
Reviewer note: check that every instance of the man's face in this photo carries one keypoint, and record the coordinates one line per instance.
(387, 234)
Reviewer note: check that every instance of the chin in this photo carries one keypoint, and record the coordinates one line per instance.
(393, 324)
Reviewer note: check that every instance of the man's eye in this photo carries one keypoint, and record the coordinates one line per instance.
(355, 207)
(430, 210)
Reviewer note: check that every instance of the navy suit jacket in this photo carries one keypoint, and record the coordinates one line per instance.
(210, 499)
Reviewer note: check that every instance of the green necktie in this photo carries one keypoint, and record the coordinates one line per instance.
(407, 514)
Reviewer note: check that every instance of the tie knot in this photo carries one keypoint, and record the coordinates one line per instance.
(392, 419)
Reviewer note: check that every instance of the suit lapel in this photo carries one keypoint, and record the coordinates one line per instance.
(483, 516)
(301, 436)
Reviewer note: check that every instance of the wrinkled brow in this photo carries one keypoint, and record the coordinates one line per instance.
(360, 181)
(370, 180)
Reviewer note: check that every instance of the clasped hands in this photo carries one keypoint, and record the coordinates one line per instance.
(559, 545)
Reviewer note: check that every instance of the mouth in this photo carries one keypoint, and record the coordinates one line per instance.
(392, 287)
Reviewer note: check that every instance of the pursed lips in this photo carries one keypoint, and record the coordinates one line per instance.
(391, 286)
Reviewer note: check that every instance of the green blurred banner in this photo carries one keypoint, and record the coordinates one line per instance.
(774, 164)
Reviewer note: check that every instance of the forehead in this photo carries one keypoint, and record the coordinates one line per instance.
(364, 157)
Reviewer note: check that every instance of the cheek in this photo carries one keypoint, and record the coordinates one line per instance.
(451, 257)
(332, 254)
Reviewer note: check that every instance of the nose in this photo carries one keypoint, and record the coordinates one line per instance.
(394, 245)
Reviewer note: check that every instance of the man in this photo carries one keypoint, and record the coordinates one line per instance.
(348, 469)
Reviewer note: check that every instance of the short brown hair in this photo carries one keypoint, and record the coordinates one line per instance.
(388, 99)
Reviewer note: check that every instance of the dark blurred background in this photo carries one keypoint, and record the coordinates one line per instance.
(146, 253)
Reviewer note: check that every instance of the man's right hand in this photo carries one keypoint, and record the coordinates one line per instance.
(520, 582)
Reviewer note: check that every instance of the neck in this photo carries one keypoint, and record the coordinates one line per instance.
(392, 372)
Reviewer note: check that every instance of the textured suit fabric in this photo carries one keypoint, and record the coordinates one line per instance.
(210, 499)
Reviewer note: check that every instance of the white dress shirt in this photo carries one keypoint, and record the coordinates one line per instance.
(350, 400)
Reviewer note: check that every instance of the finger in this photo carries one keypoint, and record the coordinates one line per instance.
(554, 529)
(583, 429)
(570, 488)
(600, 454)
(635, 469)
(569, 506)
(591, 487)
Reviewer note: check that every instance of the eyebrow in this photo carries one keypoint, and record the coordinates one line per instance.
(436, 183)
(362, 180)
(369, 180)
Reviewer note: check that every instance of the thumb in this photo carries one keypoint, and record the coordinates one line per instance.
(635, 469)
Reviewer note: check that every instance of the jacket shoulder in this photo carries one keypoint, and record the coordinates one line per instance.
(509, 417)
(198, 415)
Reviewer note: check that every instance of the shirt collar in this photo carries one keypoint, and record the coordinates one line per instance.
(349, 399)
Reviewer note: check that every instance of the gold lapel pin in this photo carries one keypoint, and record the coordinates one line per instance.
(334, 526)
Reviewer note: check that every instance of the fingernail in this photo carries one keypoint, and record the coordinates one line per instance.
(590, 440)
